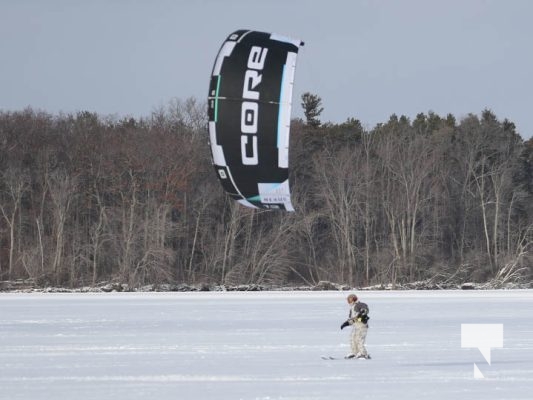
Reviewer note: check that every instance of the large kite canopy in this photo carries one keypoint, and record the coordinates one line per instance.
(249, 106)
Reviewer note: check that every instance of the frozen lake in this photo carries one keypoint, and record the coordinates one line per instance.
(260, 345)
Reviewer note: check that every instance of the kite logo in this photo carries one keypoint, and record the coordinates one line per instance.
(484, 337)
(250, 109)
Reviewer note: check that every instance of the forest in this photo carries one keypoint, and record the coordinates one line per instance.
(87, 199)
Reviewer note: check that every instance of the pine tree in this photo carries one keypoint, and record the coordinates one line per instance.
(311, 104)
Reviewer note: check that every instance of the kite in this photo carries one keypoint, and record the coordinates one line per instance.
(249, 110)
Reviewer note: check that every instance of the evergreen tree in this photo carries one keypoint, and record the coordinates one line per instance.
(311, 104)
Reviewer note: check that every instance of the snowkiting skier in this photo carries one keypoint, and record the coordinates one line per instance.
(358, 318)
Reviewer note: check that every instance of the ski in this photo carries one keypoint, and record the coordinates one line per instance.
(345, 358)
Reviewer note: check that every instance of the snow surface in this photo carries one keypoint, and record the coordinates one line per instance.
(259, 345)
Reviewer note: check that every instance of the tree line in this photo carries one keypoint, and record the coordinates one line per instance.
(86, 199)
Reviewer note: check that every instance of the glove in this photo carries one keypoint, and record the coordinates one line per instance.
(345, 324)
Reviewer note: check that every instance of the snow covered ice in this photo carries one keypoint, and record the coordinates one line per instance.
(260, 345)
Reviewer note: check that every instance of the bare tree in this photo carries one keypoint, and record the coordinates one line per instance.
(62, 189)
(491, 160)
(340, 190)
(16, 183)
(408, 162)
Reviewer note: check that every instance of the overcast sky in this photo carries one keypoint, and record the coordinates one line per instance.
(365, 59)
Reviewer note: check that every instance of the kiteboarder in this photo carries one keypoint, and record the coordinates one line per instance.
(358, 318)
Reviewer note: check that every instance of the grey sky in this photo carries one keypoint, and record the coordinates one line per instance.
(366, 59)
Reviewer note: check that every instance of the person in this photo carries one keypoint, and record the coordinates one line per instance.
(358, 318)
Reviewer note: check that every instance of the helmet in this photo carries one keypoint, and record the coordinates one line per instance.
(352, 298)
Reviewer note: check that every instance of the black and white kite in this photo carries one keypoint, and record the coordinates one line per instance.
(249, 105)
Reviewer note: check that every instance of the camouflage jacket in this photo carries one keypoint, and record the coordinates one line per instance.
(358, 312)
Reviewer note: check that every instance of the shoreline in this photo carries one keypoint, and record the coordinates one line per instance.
(26, 286)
